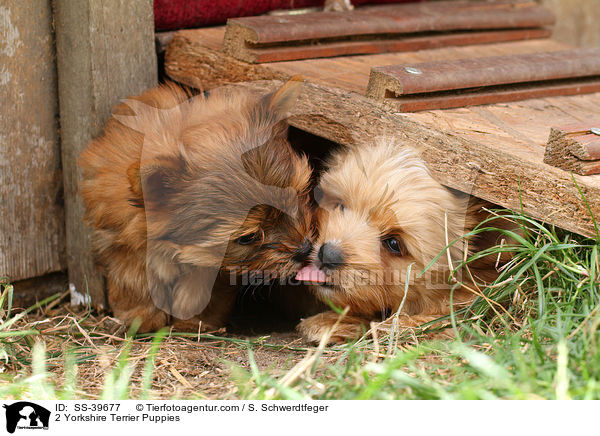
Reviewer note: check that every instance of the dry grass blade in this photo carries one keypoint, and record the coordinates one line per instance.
(179, 377)
(585, 320)
(84, 333)
(307, 364)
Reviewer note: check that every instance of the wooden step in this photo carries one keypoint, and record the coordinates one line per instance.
(380, 29)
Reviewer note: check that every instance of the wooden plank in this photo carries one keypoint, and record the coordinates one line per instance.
(494, 152)
(31, 212)
(467, 73)
(487, 95)
(105, 52)
(394, 19)
(575, 148)
(408, 43)
(424, 86)
(379, 29)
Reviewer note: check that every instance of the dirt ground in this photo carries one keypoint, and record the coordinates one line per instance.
(185, 366)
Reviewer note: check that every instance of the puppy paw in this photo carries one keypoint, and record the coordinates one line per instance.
(150, 318)
(195, 325)
(313, 328)
(414, 323)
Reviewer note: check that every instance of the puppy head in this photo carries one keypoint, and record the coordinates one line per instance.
(223, 187)
(381, 213)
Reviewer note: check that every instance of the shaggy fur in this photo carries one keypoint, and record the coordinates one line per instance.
(372, 196)
(185, 194)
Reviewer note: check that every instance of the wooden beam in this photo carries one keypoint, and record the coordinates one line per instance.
(31, 211)
(105, 53)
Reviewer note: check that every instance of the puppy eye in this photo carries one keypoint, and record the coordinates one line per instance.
(247, 239)
(394, 245)
(340, 206)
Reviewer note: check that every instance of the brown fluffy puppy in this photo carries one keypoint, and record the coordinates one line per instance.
(382, 213)
(185, 194)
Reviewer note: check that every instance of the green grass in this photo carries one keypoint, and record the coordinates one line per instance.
(533, 334)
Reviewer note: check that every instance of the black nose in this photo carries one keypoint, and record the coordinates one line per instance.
(303, 251)
(331, 255)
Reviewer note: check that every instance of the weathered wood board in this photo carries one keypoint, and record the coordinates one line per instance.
(31, 212)
(494, 152)
(383, 28)
(105, 53)
(492, 79)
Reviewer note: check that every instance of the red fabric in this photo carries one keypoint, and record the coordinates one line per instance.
(177, 14)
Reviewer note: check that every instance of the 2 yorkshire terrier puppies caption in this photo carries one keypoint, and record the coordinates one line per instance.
(193, 198)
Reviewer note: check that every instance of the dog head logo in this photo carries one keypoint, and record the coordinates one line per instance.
(26, 415)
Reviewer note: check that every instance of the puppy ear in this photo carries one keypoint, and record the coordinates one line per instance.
(280, 102)
(192, 292)
(157, 181)
(188, 295)
(280, 131)
(274, 107)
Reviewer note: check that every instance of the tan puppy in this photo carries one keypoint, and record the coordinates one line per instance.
(187, 195)
(382, 213)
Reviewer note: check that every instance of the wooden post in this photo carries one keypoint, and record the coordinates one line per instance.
(105, 53)
(31, 212)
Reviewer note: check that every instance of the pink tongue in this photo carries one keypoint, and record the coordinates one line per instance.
(311, 273)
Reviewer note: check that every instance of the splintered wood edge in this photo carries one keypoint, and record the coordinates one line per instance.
(188, 62)
(236, 40)
(565, 152)
(558, 151)
(382, 86)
